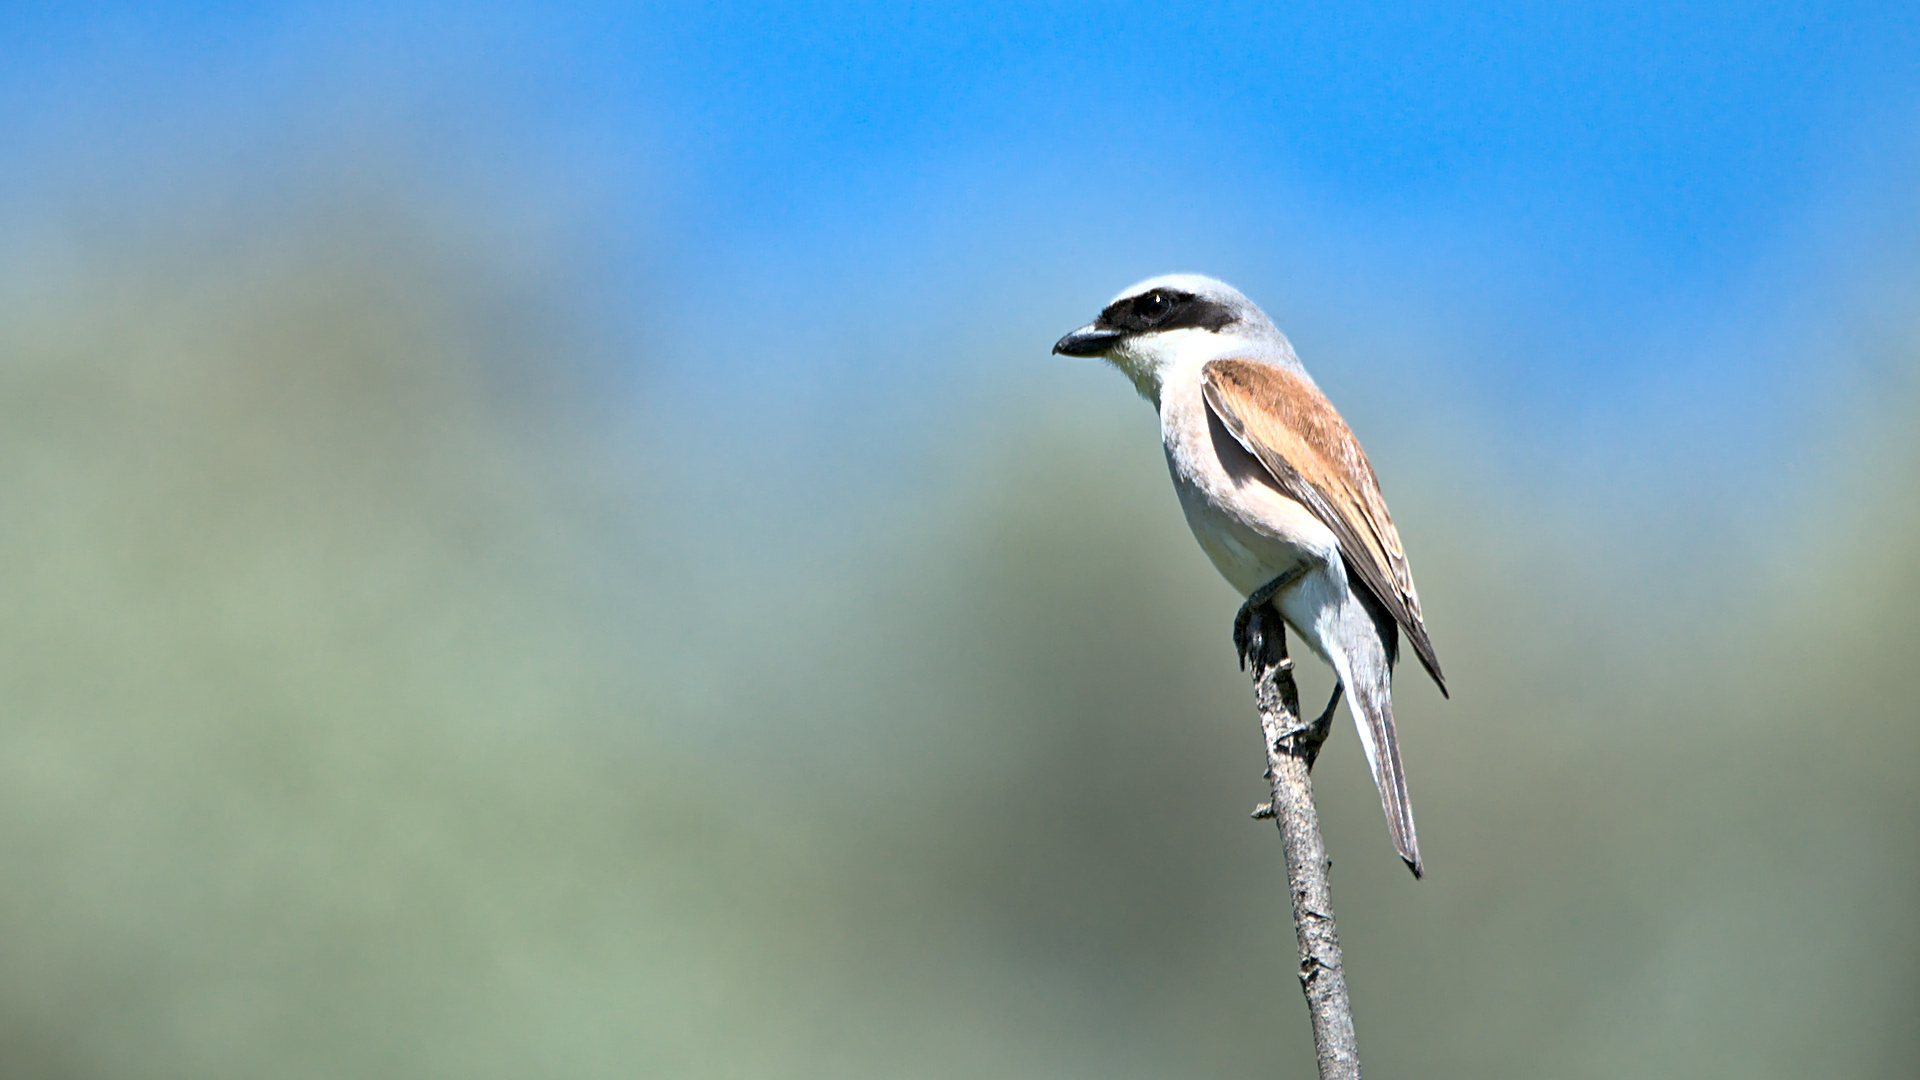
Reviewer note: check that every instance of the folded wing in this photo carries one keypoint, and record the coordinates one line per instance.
(1289, 425)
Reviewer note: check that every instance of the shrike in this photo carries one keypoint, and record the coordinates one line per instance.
(1279, 494)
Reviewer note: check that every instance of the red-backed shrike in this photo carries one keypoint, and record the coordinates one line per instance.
(1278, 492)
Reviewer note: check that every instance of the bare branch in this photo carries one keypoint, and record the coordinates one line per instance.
(1291, 747)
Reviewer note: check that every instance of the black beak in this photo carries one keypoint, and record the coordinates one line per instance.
(1089, 340)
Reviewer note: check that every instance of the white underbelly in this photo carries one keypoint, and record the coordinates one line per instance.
(1251, 531)
(1245, 553)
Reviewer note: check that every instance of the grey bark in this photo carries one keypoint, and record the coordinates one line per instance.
(1292, 745)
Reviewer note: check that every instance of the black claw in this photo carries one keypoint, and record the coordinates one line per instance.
(1323, 724)
(1325, 720)
(1249, 635)
(1245, 641)
(1242, 634)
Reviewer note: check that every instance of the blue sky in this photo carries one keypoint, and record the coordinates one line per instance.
(1581, 197)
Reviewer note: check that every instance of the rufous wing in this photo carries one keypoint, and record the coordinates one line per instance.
(1289, 425)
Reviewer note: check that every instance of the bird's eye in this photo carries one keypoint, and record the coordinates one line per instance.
(1152, 307)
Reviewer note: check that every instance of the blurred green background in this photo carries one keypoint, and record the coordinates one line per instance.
(554, 547)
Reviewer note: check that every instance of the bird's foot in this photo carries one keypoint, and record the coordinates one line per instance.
(1245, 643)
(1316, 734)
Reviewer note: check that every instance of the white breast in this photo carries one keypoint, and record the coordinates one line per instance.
(1251, 531)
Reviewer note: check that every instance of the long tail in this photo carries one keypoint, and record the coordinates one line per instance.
(1371, 700)
(1357, 636)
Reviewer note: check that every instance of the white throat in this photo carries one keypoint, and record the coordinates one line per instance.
(1153, 360)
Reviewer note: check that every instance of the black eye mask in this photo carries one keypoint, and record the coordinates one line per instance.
(1164, 309)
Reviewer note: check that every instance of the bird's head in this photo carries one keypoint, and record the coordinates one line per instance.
(1176, 320)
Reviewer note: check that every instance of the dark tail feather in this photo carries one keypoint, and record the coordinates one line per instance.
(1375, 710)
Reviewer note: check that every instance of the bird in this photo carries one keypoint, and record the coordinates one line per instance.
(1279, 494)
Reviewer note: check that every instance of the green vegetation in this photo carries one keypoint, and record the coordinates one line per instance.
(374, 701)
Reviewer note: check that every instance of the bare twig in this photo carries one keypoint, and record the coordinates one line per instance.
(1291, 747)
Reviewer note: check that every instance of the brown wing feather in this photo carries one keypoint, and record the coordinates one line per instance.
(1287, 423)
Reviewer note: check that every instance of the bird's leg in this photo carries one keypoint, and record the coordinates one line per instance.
(1242, 644)
(1316, 734)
